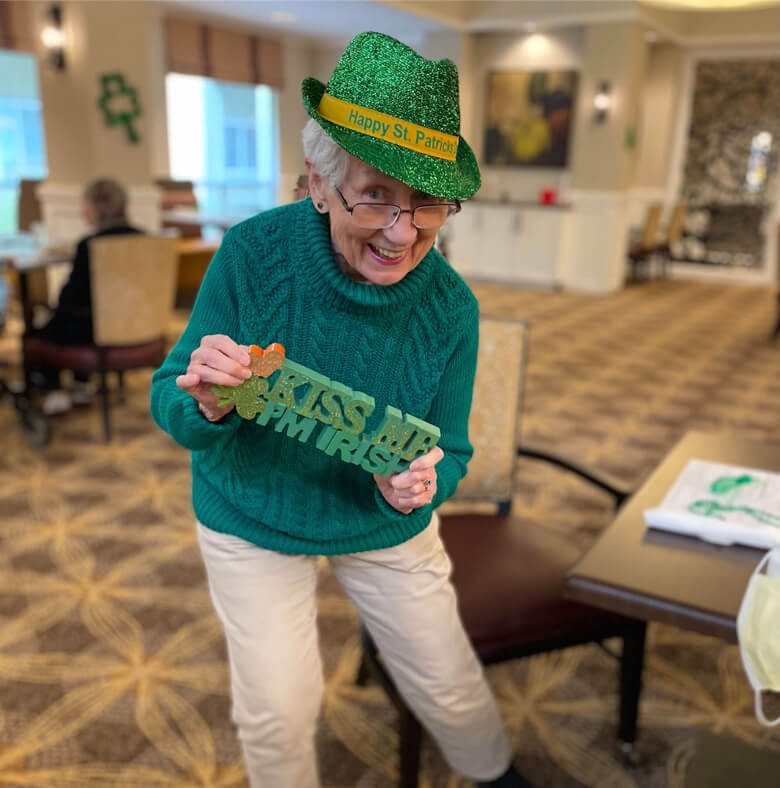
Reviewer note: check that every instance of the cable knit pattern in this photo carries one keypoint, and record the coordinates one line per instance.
(412, 345)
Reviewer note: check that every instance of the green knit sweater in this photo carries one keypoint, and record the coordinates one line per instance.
(412, 345)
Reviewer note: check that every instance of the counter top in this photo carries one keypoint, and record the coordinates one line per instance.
(524, 204)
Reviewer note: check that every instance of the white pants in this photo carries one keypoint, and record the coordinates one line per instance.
(267, 605)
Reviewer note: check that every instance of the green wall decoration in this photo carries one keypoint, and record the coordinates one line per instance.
(119, 103)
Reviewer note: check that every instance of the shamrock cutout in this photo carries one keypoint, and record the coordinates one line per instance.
(119, 104)
(245, 396)
(265, 362)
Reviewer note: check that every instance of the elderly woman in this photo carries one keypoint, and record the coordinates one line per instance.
(104, 210)
(350, 284)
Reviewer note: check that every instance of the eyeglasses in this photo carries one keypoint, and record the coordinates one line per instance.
(380, 216)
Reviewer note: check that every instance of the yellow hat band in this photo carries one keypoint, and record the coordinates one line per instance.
(388, 128)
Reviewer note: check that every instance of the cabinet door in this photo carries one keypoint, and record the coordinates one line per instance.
(498, 242)
(507, 243)
(537, 247)
(461, 234)
(483, 242)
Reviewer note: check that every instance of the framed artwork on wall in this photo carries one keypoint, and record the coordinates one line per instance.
(528, 118)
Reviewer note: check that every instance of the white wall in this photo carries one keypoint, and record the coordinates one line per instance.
(505, 52)
(302, 58)
(299, 59)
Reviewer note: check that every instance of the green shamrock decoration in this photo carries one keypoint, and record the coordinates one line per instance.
(119, 104)
(246, 396)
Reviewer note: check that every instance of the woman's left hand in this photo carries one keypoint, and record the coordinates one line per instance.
(414, 487)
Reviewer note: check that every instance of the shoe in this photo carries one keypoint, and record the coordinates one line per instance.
(56, 402)
(511, 778)
(82, 392)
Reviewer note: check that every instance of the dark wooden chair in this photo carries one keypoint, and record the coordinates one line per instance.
(642, 249)
(776, 331)
(133, 280)
(509, 576)
(177, 196)
(674, 231)
(28, 205)
(28, 213)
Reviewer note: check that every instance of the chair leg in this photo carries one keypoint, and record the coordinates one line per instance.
(410, 732)
(121, 390)
(631, 666)
(363, 671)
(104, 401)
(634, 270)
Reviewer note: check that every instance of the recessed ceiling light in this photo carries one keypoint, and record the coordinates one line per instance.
(283, 17)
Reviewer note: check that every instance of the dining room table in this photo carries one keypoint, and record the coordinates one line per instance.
(28, 258)
(33, 265)
(656, 575)
(195, 254)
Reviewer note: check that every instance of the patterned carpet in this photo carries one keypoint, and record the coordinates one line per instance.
(112, 669)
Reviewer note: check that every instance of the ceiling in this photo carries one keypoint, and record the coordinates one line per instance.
(336, 21)
(712, 5)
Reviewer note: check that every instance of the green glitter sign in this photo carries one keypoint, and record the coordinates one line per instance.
(304, 405)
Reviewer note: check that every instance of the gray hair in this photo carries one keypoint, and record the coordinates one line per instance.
(109, 200)
(327, 156)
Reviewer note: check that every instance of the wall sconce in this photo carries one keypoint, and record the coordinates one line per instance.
(602, 102)
(53, 37)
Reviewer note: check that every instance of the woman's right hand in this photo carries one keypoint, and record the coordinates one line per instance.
(217, 360)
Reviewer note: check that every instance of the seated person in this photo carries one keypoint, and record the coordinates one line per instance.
(103, 208)
(301, 190)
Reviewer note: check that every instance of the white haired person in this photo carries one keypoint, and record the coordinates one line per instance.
(349, 283)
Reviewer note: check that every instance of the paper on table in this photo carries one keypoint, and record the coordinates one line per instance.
(724, 504)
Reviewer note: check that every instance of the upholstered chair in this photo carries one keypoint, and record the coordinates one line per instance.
(508, 574)
(133, 280)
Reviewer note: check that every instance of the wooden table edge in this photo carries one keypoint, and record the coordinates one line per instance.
(632, 605)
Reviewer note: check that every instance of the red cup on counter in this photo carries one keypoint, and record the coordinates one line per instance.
(548, 196)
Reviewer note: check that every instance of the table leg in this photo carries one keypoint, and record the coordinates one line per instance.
(631, 666)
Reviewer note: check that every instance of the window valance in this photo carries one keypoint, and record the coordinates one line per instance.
(15, 29)
(208, 51)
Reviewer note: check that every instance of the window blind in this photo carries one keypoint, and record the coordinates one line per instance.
(228, 55)
(15, 31)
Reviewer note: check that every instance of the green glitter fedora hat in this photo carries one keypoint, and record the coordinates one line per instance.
(398, 112)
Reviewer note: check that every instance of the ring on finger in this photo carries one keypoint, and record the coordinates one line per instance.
(427, 483)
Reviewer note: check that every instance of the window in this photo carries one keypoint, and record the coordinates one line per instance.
(222, 137)
(755, 177)
(22, 148)
(240, 147)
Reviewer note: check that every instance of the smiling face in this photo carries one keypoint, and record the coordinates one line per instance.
(380, 257)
